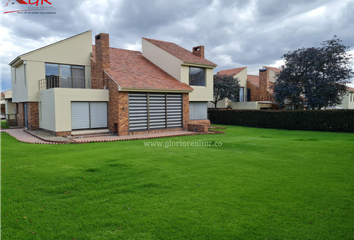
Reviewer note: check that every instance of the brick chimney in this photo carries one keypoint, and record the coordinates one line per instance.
(263, 81)
(102, 54)
(199, 51)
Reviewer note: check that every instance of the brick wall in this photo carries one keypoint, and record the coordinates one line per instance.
(198, 127)
(199, 51)
(102, 54)
(123, 113)
(62, 134)
(20, 111)
(203, 122)
(32, 115)
(263, 81)
(257, 94)
(185, 122)
(254, 91)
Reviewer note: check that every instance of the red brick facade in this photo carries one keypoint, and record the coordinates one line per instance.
(261, 93)
(102, 56)
(199, 51)
(198, 127)
(63, 134)
(32, 115)
(20, 112)
(204, 122)
(118, 106)
(185, 97)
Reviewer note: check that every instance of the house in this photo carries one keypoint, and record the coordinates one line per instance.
(71, 85)
(255, 91)
(9, 107)
(348, 99)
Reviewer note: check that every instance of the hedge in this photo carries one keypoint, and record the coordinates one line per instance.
(320, 120)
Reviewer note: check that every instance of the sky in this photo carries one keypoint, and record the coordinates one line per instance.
(235, 33)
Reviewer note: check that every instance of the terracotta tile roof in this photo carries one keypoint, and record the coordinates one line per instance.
(231, 72)
(253, 79)
(350, 89)
(179, 52)
(130, 69)
(274, 69)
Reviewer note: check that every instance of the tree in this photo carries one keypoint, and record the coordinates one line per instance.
(314, 77)
(225, 86)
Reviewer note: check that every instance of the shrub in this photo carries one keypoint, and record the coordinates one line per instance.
(321, 120)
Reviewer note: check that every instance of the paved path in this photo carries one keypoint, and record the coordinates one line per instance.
(23, 136)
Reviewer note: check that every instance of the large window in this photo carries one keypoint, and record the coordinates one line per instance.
(240, 96)
(64, 76)
(196, 76)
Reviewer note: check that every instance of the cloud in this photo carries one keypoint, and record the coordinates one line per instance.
(237, 33)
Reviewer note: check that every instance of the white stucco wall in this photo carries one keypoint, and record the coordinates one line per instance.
(200, 93)
(72, 51)
(249, 105)
(162, 59)
(19, 85)
(9, 107)
(346, 103)
(56, 105)
(221, 104)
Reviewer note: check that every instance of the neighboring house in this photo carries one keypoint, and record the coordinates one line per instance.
(2, 102)
(241, 74)
(348, 99)
(72, 85)
(255, 91)
(9, 106)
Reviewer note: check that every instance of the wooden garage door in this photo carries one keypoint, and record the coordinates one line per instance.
(149, 111)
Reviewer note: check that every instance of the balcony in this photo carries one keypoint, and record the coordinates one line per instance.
(255, 98)
(72, 82)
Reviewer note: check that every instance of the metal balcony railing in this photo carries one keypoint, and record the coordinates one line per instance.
(72, 82)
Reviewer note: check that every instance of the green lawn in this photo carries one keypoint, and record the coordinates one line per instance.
(4, 124)
(261, 184)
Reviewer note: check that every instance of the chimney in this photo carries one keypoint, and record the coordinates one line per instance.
(263, 81)
(102, 53)
(199, 51)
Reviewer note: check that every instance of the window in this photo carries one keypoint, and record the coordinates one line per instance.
(64, 76)
(196, 76)
(198, 110)
(240, 96)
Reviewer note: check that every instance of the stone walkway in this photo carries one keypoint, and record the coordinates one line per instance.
(23, 136)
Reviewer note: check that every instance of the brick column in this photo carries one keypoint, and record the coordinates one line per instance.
(123, 113)
(102, 56)
(20, 112)
(263, 83)
(185, 106)
(32, 115)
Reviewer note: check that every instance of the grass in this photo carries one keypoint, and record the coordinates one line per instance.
(4, 124)
(261, 184)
